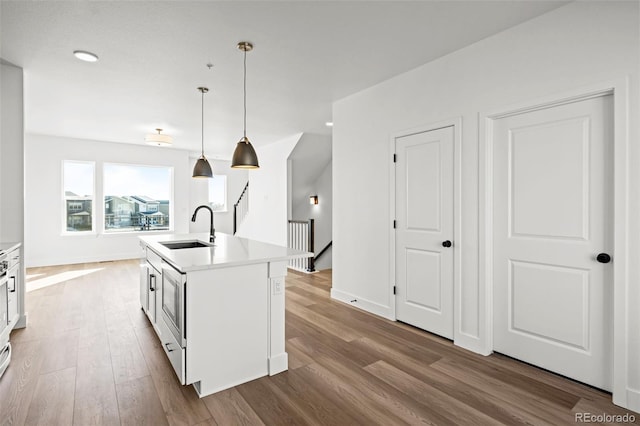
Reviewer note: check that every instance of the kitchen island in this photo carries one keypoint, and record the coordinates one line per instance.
(217, 308)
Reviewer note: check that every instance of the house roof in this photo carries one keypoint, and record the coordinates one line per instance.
(143, 199)
(113, 197)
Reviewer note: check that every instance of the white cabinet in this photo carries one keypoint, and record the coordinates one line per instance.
(152, 285)
(219, 309)
(13, 284)
(172, 349)
(144, 286)
(150, 279)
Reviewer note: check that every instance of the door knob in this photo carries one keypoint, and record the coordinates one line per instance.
(446, 243)
(603, 258)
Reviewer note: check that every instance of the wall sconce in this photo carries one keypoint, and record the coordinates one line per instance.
(313, 199)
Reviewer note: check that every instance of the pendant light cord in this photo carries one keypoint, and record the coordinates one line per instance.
(202, 137)
(245, 94)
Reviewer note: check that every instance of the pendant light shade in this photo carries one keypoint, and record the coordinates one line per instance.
(244, 156)
(202, 169)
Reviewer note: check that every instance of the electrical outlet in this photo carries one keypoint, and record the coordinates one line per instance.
(277, 287)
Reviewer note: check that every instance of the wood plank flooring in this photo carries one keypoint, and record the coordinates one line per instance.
(89, 357)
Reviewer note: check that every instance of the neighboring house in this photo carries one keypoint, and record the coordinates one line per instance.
(118, 212)
(150, 213)
(78, 211)
(144, 204)
(152, 219)
(164, 207)
(135, 211)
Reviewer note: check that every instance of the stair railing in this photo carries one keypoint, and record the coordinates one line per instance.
(241, 208)
(315, 259)
(301, 238)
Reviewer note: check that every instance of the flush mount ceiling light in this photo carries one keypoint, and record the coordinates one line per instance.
(83, 55)
(329, 124)
(158, 139)
(202, 169)
(244, 156)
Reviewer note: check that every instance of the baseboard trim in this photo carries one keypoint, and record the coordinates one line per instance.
(471, 343)
(76, 260)
(22, 321)
(303, 271)
(633, 400)
(364, 304)
(278, 364)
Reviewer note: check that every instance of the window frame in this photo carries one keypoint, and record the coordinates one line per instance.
(109, 233)
(65, 199)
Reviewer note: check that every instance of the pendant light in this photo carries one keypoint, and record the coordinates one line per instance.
(202, 169)
(244, 156)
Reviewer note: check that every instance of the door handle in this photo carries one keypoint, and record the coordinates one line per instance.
(152, 287)
(603, 258)
(446, 243)
(167, 346)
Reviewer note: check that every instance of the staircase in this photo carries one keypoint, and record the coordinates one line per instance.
(241, 208)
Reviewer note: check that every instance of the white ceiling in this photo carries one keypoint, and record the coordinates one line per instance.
(153, 56)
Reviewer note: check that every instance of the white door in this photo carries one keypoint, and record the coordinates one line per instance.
(424, 230)
(552, 218)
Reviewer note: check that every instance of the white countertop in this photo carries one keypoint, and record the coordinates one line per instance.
(8, 246)
(226, 251)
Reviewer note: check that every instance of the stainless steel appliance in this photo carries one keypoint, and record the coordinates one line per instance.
(173, 302)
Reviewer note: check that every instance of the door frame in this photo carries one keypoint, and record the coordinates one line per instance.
(619, 89)
(456, 123)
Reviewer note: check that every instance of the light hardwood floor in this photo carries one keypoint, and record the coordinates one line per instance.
(89, 357)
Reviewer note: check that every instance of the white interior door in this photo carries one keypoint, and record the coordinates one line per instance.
(424, 230)
(552, 217)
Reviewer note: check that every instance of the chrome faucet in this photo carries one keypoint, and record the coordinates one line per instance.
(212, 231)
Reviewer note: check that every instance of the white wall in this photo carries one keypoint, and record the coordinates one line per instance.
(199, 194)
(580, 44)
(308, 160)
(12, 164)
(44, 242)
(267, 217)
(11, 154)
(321, 213)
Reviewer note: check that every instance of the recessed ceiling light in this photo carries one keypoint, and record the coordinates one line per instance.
(85, 56)
(329, 124)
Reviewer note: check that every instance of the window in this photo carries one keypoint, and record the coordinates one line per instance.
(218, 193)
(77, 178)
(137, 198)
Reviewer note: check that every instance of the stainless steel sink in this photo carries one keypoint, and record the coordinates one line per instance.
(174, 245)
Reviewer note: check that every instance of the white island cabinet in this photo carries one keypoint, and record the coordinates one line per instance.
(218, 309)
